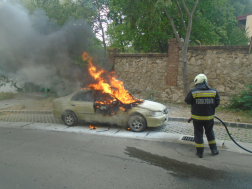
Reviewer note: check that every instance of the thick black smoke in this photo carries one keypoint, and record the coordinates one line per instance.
(35, 49)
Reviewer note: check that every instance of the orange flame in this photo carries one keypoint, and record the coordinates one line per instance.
(92, 127)
(111, 85)
(122, 108)
(104, 102)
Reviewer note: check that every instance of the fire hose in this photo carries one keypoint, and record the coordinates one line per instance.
(189, 120)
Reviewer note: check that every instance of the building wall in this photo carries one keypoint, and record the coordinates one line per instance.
(249, 25)
(228, 68)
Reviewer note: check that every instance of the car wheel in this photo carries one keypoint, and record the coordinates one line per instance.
(69, 118)
(137, 123)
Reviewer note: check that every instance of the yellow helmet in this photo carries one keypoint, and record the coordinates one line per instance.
(200, 78)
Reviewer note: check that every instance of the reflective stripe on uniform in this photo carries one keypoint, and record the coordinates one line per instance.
(202, 117)
(199, 145)
(204, 93)
(212, 142)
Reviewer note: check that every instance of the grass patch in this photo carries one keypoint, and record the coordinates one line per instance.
(245, 115)
(6, 95)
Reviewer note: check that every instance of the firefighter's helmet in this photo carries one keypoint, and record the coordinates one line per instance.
(200, 79)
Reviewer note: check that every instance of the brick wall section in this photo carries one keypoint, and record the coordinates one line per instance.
(172, 62)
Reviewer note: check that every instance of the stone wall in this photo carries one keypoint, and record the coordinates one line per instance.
(228, 68)
(141, 71)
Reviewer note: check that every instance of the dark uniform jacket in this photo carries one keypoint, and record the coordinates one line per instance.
(203, 100)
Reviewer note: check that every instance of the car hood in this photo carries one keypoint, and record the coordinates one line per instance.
(153, 106)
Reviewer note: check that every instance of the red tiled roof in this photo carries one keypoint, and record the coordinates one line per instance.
(243, 17)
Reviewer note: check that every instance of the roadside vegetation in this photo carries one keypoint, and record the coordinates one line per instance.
(243, 101)
(242, 104)
(242, 116)
(6, 95)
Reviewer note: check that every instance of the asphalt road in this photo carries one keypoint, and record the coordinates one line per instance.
(33, 158)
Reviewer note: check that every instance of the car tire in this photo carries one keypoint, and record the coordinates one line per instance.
(137, 123)
(69, 118)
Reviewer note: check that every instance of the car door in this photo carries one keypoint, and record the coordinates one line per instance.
(107, 108)
(82, 104)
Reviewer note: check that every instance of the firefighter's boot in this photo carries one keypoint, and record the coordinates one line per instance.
(199, 152)
(213, 148)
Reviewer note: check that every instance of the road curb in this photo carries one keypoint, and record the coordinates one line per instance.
(230, 124)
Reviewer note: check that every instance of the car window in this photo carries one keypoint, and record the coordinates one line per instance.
(83, 96)
(103, 97)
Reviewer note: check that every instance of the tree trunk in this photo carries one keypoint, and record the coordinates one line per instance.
(104, 42)
(103, 34)
(185, 72)
(105, 49)
(184, 45)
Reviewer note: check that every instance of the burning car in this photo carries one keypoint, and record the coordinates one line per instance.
(107, 101)
(94, 106)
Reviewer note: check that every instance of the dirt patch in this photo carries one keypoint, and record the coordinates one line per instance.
(7, 95)
(43, 104)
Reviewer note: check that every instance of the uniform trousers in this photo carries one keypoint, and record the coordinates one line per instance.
(199, 126)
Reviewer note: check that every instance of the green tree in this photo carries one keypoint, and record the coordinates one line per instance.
(60, 11)
(213, 22)
(187, 27)
(101, 21)
(241, 7)
(138, 24)
(238, 37)
(98, 9)
(144, 26)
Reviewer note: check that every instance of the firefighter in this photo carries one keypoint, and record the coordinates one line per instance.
(203, 101)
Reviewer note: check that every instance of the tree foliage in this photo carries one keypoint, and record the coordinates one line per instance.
(61, 11)
(140, 24)
(5, 80)
(144, 26)
(241, 7)
(238, 37)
